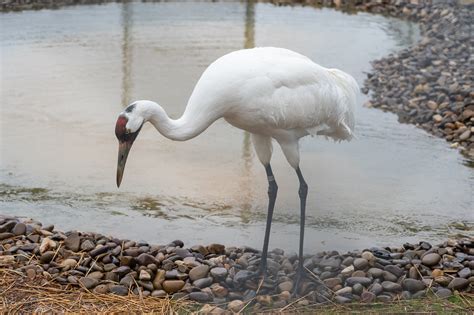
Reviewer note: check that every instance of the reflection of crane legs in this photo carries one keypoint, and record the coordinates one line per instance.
(126, 52)
(246, 147)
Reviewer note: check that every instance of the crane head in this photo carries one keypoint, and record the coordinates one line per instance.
(126, 131)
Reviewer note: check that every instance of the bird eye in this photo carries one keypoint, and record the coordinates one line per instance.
(127, 131)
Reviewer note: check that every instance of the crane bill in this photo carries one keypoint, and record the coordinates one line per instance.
(124, 148)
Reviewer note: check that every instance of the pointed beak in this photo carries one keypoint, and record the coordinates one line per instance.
(124, 148)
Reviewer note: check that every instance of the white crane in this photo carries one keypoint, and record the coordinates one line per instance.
(273, 93)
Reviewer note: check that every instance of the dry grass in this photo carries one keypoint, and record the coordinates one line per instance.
(21, 295)
(18, 294)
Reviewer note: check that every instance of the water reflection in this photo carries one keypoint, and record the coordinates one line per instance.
(127, 52)
(247, 150)
(391, 183)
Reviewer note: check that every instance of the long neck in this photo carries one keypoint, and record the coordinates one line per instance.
(186, 127)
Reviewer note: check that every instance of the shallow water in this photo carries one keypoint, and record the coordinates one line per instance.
(67, 73)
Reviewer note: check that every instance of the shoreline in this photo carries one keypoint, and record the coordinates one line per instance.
(221, 277)
(429, 85)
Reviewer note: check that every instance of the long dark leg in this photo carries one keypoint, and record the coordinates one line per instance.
(303, 192)
(272, 193)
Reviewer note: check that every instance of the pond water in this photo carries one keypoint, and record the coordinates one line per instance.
(67, 73)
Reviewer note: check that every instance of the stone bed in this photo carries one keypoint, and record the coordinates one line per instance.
(223, 275)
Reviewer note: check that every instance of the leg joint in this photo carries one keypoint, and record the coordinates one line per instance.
(272, 188)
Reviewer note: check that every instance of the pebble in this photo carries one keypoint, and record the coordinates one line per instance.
(88, 283)
(458, 284)
(198, 272)
(73, 242)
(391, 286)
(361, 280)
(203, 283)
(286, 286)
(444, 293)
(367, 297)
(173, 286)
(235, 305)
(19, 229)
(360, 263)
(431, 259)
(413, 285)
(119, 290)
(219, 273)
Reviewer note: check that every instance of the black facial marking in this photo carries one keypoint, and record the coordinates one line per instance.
(130, 108)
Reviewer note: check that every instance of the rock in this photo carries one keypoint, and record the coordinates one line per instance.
(235, 306)
(265, 300)
(68, 263)
(343, 291)
(384, 298)
(203, 283)
(101, 289)
(159, 293)
(464, 273)
(347, 271)
(444, 293)
(361, 280)
(7, 227)
(242, 276)
(127, 281)
(122, 270)
(342, 299)
(431, 259)
(98, 251)
(286, 286)
(146, 259)
(88, 283)
(413, 285)
(19, 229)
(119, 290)
(158, 280)
(219, 273)
(375, 272)
(437, 118)
(376, 288)
(443, 280)
(465, 135)
(458, 284)
(172, 286)
(437, 272)
(87, 245)
(47, 244)
(357, 289)
(219, 291)
(47, 257)
(397, 271)
(391, 286)
(73, 242)
(360, 263)
(331, 262)
(368, 256)
(144, 275)
(96, 275)
(216, 249)
(367, 297)
(31, 273)
(330, 283)
(388, 276)
(198, 272)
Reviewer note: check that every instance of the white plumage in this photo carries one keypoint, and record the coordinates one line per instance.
(273, 93)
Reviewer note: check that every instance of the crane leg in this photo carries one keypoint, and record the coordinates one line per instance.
(303, 192)
(272, 193)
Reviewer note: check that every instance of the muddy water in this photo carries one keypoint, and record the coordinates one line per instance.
(67, 73)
